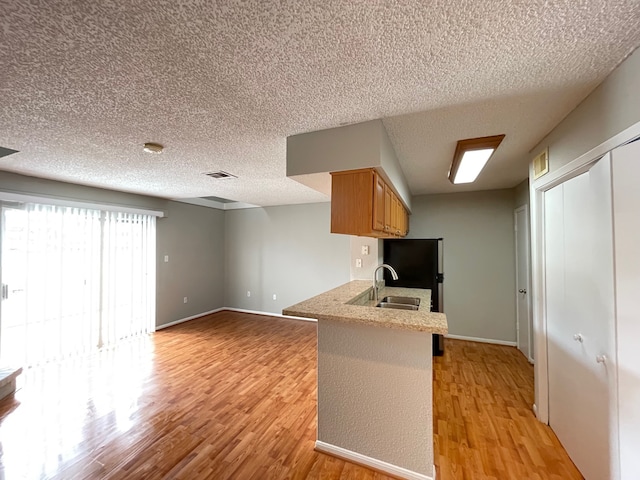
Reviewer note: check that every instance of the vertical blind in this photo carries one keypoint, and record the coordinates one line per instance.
(86, 280)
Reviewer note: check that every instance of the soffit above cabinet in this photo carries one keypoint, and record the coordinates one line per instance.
(312, 156)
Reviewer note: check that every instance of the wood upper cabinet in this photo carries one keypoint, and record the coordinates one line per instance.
(388, 208)
(362, 203)
(379, 210)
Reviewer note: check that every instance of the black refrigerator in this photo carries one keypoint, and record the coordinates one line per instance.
(419, 264)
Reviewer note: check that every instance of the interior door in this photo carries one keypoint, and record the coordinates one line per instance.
(522, 282)
(580, 316)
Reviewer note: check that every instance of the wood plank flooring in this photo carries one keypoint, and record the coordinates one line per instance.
(233, 396)
(484, 427)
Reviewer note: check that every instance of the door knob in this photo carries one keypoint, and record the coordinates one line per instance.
(601, 359)
(522, 290)
(578, 337)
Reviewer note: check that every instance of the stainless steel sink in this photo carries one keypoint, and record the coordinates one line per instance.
(402, 300)
(397, 306)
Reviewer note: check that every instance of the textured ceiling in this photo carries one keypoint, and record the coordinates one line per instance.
(222, 84)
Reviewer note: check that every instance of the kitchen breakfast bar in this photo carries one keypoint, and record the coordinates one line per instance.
(375, 377)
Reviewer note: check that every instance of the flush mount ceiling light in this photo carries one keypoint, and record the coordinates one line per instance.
(471, 156)
(153, 148)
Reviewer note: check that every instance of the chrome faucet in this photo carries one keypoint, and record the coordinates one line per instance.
(394, 275)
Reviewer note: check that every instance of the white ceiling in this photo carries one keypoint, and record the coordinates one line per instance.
(222, 84)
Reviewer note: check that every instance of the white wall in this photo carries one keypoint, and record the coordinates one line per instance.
(284, 250)
(479, 259)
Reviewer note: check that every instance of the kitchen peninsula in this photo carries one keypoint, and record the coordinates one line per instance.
(375, 378)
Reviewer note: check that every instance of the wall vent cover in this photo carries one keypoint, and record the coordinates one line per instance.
(541, 164)
(220, 174)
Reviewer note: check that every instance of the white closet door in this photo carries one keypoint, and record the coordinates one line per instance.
(626, 197)
(579, 293)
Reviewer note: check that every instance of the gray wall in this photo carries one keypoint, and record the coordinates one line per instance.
(369, 262)
(360, 145)
(479, 259)
(521, 193)
(192, 236)
(284, 250)
(13, 182)
(375, 393)
(612, 107)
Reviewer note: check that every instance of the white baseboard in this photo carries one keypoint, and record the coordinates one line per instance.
(192, 317)
(269, 314)
(481, 340)
(374, 463)
(241, 310)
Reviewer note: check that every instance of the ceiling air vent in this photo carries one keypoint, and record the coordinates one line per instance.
(220, 174)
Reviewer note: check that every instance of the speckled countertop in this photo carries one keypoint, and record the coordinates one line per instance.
(350, 303)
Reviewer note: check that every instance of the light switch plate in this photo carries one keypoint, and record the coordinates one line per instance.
(358, 263)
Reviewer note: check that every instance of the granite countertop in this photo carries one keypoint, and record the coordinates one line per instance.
(350, 303)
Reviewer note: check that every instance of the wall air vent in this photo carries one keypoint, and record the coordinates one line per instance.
(541, 164)
(220, 174)
(6, 151)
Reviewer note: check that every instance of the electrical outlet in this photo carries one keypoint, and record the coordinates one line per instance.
(358, 263)
(166, 258)
(248, 293)
(274, 296)
(365, 249)
(185, 300)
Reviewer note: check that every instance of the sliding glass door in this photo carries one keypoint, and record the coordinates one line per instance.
(73, 280)
(13, 276)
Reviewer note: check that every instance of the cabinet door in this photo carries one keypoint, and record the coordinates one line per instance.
(378, 204)
(404, 221)
(352, 202)
(388, 207)
(395, 203)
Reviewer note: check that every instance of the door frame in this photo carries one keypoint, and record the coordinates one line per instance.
(524, 237)
(537, 189)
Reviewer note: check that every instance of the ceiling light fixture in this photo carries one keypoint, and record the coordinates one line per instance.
(153, 148)
(471, 156)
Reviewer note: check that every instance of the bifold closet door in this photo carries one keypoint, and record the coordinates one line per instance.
(579, 314)
(626, 198)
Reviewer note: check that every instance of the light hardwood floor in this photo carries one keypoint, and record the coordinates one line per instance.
(484, 426)
(233, 396)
